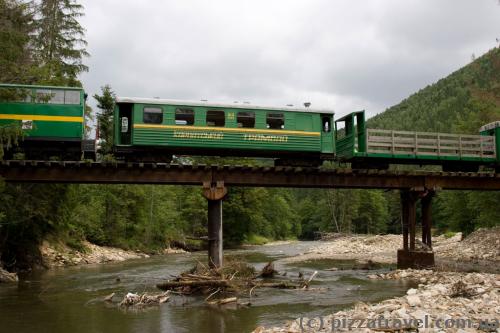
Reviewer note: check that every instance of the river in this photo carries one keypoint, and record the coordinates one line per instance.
(71, 299)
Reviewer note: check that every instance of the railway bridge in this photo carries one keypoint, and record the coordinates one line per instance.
(413, 186)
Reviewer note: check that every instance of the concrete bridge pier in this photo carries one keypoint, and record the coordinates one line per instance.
(215, 193)
(409, 256)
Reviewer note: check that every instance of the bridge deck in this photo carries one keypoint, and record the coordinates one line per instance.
(175, 174)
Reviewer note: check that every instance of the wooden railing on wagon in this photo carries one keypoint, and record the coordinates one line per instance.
(429, 144)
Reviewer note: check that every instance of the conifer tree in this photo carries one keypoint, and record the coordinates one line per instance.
(16, 27)
(105, 102)
(60, 43)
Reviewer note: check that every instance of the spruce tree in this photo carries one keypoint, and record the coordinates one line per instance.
(16, 27)
(105, 102)
(60, 43)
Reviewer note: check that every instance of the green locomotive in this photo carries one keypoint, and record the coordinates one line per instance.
(52, 119)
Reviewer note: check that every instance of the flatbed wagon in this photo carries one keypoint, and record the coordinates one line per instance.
(377, 148)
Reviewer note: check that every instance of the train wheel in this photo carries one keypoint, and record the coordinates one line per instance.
(369, 165)
(452, 167)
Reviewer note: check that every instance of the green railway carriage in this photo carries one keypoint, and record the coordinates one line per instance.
(151, 128)
(375, 148)
(52, 118)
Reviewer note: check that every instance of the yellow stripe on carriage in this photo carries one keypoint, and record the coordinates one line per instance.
(41, 117)
(226, 129)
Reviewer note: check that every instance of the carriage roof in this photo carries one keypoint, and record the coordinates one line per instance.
(217, 105)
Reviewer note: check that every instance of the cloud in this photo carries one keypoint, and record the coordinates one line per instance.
(344, 55)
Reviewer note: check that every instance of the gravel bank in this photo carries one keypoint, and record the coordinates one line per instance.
(61, 255)
(463, 301)
(7, 277)
(481, 248)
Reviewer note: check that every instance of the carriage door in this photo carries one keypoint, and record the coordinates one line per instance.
(125, 123)
(326, 134)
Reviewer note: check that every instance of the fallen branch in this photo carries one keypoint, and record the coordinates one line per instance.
(306, 284)
(279, 285)
(268, 271)
(191, 283)
(209, 296)
(223, 301)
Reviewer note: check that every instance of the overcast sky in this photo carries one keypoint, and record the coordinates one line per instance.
(342, 55)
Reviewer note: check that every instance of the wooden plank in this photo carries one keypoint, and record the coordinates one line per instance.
(402, 145)
(428, 147)
(427, 153)
(379, 144)
(379, 139)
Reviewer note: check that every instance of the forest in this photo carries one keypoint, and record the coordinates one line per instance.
(42, 42)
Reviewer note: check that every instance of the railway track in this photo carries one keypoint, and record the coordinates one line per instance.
(240, 175)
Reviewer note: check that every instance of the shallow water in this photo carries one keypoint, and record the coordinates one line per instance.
(70, 299)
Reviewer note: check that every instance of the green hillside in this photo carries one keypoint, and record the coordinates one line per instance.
(460, 103)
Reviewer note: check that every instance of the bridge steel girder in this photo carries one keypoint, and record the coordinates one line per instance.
(173, 174)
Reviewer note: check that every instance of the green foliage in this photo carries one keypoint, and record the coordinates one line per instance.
(344, 211)
(253, 239)
(449, 234)
(251, 212)
(9, 137)
(105, 102)
(16, 27)
(372, 213)
(31, 211)
(59, 43)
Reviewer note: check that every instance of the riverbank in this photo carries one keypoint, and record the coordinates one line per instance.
(462, 300)
(7, 277)
(479, 251)
(60, 255)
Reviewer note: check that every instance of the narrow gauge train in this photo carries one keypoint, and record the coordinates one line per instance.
(156, 129)
(52, 119)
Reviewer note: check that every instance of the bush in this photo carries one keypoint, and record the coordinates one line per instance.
(449, 234)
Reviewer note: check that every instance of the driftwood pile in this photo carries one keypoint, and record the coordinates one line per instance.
(236, 278)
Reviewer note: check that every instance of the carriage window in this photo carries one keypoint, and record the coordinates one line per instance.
(275, 120)
(340, 130)
(72, 97)
(15, 95)
(57, 97)
(326, 124)
(246, 119)
(216, 118)
(153, 116)
(43, 95)
(184, 116)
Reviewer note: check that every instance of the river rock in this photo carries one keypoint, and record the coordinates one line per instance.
(413, 300)
(432, 300)
(7, 277)
(411, 291)
(387, 307)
